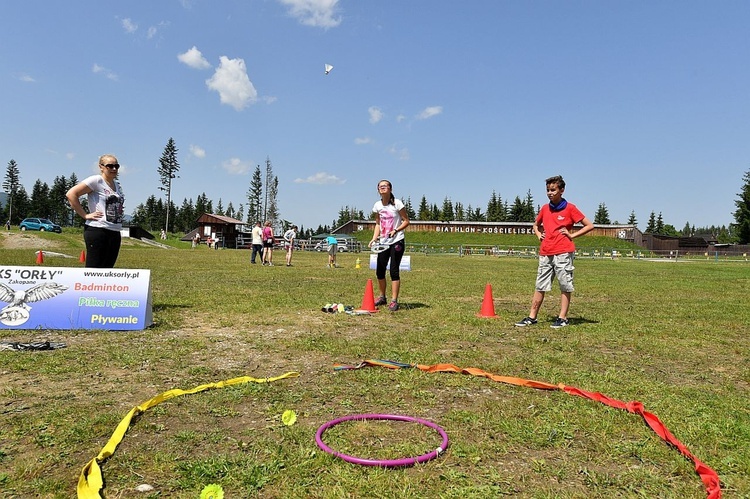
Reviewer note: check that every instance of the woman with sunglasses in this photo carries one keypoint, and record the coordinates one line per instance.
(390, 221)
(103, 222)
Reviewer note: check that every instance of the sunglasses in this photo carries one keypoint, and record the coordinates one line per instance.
(116, 166)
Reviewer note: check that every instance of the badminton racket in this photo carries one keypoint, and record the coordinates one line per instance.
(379, 247)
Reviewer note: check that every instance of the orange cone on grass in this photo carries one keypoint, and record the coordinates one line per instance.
(488, 305)
(39, 257)
(368, 301)
(82, 258)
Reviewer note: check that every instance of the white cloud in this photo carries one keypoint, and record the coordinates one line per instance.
(362, 140)
(151, 32)
(197, 151)
(194, 59)
(316, 13)
(129, 26)
(25, 78)
(69, 155)
(230, 80)
(235, 166)
(97, 69)
(429, 112)
(269, 99)
(400, 118)
(375, 114)
(401, 153)
(320, 178)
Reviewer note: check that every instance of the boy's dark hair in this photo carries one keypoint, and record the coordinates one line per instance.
(557, 179)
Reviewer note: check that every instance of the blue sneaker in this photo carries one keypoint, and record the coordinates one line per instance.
(560, 322)
(526, 321)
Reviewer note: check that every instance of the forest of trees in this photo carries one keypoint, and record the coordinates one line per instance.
(261, 204)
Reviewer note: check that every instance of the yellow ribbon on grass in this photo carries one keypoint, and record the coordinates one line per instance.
(91, 481)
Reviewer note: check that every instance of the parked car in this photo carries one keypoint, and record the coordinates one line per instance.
(41, 224)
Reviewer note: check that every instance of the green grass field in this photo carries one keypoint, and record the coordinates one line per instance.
(672, 335)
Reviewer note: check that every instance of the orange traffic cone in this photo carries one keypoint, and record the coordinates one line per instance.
(82, 258)
(368, 301)
(39, 257)
(488, 305)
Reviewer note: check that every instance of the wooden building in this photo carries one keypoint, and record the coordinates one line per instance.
(619, 231)
(224, 231)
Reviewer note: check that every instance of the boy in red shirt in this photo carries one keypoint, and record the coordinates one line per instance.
(556, 250)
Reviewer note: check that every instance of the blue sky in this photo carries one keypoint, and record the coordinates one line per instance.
(641, 105)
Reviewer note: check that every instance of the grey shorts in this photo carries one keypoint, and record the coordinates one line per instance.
(558, 265)
(332, 249)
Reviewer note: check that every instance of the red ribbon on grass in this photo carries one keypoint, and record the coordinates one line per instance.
(708, 476)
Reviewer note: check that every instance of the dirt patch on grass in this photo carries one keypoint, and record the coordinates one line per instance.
(23, 240)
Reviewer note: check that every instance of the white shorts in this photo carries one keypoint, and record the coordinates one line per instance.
(559, 265)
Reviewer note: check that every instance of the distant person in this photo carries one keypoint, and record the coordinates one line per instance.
(390, 221)
(196, 240)
(289, 237)
(268, 241)
(257, 242)
(103, 223)
(7, 225)
(333, 248)
(163, 235)
(556, 250)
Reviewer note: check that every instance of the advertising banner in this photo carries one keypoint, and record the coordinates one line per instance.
(405, 262)
(75, 298)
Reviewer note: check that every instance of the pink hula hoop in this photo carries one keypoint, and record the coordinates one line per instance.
(386, 463)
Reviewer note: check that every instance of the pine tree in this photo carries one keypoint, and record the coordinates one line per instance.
(168, 168)
(409, 209)
(270, 201)
(11, 186)
(446, 215)
(493, 208)
(201, 205)
(517, 211)
(651, 227)
(659, 229)
(255, 198)
(58, 209)
(632, 220)
(40, 205)
(186, 216)
(529, 214)
(742, 213)
(602, 215)
(22, 205)
(434, 213)
(460, 214)
(424, 210)
(272, 213)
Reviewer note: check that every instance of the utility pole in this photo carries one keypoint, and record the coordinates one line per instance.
(168, 190)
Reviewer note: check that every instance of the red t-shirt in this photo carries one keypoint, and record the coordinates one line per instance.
(555, 243)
